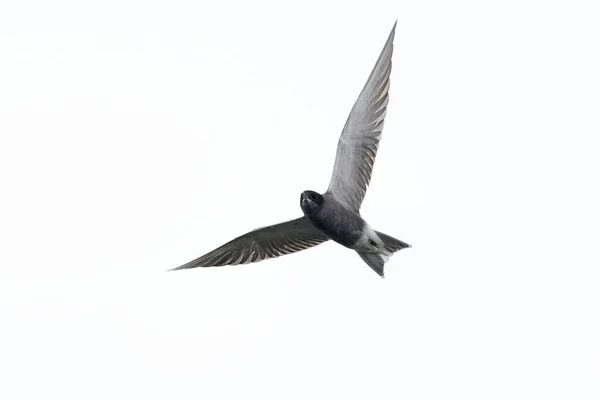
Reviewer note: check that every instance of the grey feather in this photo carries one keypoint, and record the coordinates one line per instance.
(261, 244)
(391, 243)
(377, 260)
(335, 214)
(359, 141)
(373, 260)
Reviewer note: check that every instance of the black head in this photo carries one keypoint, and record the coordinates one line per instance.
(311, 202)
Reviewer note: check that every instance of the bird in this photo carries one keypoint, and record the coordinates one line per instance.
(334, 214)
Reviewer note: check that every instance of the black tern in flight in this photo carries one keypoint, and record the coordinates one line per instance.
(334, 214)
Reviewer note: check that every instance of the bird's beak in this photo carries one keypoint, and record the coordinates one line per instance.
(303, 198)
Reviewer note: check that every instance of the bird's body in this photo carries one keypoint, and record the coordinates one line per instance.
(334, 214)
(343, 225)
(335, 220)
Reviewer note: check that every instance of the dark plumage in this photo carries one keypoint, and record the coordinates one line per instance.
(332, 218)
(336, 213)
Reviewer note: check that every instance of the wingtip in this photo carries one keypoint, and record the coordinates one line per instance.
(184, 266)
(392, 33)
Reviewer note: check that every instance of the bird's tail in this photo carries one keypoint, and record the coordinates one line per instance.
(377, 260)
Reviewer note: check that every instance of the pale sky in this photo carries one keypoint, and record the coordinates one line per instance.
(136, 136)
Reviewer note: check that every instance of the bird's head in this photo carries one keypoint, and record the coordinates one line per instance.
(311, 202)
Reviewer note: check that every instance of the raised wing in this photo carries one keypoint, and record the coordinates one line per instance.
(261, 244)
(360, 137)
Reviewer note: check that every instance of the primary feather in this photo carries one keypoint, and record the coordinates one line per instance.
(262, 244)
(359, 141)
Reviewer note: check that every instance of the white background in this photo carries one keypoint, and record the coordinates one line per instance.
(136, 136)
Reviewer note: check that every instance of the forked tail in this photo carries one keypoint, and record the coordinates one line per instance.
(377, 260)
